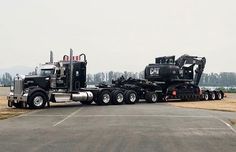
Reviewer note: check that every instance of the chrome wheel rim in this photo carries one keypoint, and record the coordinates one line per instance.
(38, 101)
(154, 98)
(119, 97)
(219, 96)
(213, 96)
(206, 96)
(106, 98)
(132, 97)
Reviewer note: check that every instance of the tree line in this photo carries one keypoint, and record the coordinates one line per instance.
(6, 79)
(224, 79)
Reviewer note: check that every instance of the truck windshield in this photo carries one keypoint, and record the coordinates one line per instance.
(46, 72)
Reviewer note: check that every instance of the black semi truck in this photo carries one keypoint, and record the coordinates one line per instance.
(66, 81)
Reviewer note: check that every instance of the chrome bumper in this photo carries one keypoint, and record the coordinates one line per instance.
(17, 98)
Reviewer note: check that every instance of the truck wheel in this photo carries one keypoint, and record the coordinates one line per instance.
(222, 95)
(104, 98)
(218, 95)
(212, 96)
(151, 97)
(206, 96)
(37, 100)
(131, 97)
(117, 97)
(86, 102)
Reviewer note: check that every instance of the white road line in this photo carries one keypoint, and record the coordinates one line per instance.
(72, 114)
(228, 125)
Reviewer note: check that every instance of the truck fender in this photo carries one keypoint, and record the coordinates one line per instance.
(37, 89)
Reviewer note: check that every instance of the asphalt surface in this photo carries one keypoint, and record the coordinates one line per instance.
(132, 128)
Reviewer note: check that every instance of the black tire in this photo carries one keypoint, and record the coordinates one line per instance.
(117, 97)
(206, 96)
(218, 95)
(37, 100)
(222, 95)
(212, 95)
(104, 98)
(86, 102)
(131, 97)
(151, 97)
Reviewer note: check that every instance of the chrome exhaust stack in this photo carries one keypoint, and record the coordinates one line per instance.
(51, 57)
(71, 70)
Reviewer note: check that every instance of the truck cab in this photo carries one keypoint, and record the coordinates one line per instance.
(51, 80)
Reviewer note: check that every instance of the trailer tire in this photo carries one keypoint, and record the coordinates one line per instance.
(131, 97)
(37, 100)
(117, 97)
(151, 97)
(212, 95)
(222, 95)
(104, 98)
(206, 96)
(218, 95)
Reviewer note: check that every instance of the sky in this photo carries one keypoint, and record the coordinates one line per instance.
(118, 35)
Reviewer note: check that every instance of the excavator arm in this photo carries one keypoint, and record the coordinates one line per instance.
(200, 62)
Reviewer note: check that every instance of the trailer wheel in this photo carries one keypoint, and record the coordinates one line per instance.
(131, 97)
(212, 95)
(117, 97)
(218, 95)
(104, 98)
(206, 96)
(37, 100)
(151, 97)
(86, 102)
(222, 95)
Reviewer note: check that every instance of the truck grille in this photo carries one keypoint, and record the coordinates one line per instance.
(18, 86)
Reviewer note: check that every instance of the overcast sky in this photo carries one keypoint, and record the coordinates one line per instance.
(118, 35)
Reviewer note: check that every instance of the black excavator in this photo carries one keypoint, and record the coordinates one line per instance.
(179, 79)
(173, 79)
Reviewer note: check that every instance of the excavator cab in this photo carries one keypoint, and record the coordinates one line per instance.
(166, 60)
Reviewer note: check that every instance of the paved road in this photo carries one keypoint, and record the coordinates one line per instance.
(132, 128)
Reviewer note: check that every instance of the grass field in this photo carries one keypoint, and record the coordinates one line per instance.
(228, 104)
(6, 112)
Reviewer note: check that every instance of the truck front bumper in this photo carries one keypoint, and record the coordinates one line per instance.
(16, 99)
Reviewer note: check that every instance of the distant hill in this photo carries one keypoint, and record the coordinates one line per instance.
(17, 70)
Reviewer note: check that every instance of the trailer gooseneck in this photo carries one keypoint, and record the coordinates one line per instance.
(66, 81)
